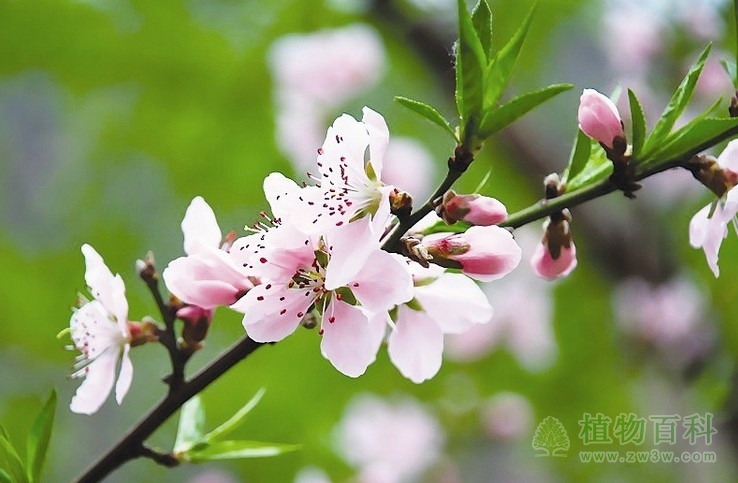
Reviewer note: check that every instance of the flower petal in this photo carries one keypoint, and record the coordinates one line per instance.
(382, 282)
(415, 346)
(350, 246)
(349, 342)
(108, 289)
(378, 138)
(272, 312)
(125, 376)
(99, 378)
(455, 302)
(199, 227)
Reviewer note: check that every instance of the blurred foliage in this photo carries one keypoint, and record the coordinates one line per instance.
(115, 113)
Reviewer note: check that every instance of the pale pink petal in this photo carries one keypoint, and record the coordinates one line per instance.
(350, 245)
(544, 265)
(279, 192)
(272, 312)
(382, 282)
(728, 159)
(493, 253)
(378, 138)
(455, 302)
(125, 376)
(346, 142)
(199, 227)
(99, 378)
(698, 227)
(348, 342)
(92, 330)
(599, 118)
(415, 345)
(105, 287)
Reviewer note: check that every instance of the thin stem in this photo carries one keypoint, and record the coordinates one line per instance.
(392, 243)
(131, 446)
(545, 208)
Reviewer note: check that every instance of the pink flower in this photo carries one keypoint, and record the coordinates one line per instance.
(474, 209)
(484, 253)
(544, 265)
(343, 274)
(208, 276)
(443, 303)
(599, 118)
(99, 330)
(708, 231)
(349, 183)
(389, 442)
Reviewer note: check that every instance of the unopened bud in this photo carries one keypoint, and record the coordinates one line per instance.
(599, 118)
(196, 324)
(483, 253)
(474, 209)
(143, 332)
(556, 255)
(401, 203)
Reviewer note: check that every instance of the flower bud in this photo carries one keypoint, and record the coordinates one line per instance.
(556, 255)
(599, 118)
(474, 209)
(484, 253)
(196, 324)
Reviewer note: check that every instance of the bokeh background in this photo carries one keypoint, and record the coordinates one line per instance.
(114, 114)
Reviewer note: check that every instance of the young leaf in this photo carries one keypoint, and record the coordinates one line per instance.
(5, 477)
(11, 462)
(482, 20)
(676, 106)
(470, 62)
(228, 450)
(695, 138)
(497, 74)
(639, 123)
(496, 119)
(730, 69)
(235, 420)
(38, 438)
(428, 112)
(579, 156)
(191, 425)
(597, 168)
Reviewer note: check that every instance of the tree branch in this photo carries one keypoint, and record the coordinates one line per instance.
(131, 446)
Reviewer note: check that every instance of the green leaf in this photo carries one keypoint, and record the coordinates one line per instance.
(496, 119)
(639, 123)
(579, 156)
(5, 477)
(11, 462)
(497, 74)
(597, 168)
(191, 425)
(731, 70)
(237, 419)
(695, 137)
(38, 438)
(229, 450)
(428, 112)
(482, 20)
(676, 106)
(470, 62)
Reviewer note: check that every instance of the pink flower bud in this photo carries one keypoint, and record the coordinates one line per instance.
(474, 209)
(484, 253)
(599, 118)
(545, 266)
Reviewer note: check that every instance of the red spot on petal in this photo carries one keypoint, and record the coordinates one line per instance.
(283, 311)
(331, 319)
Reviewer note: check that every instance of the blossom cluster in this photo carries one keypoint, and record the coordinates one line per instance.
(319, 259)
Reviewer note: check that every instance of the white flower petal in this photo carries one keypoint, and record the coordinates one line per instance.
(455, 302)
(99, 378)
(199, 227)
(378, 138)
(272, 312)
(105, 287)
(415, 346)
(125, 376)
(382, 282)
(348, 342)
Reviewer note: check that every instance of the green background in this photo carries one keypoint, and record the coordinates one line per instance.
(114, 114)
